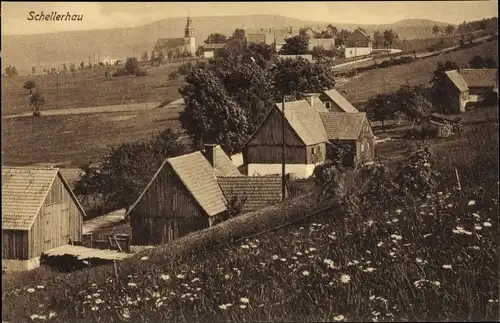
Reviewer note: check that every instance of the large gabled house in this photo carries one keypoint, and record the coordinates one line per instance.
(358, 43)
(470, 86)
(310, 131)
(39, 213)
(192, 192)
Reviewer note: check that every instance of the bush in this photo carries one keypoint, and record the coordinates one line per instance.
(132, 65)
(141, 72)
(120, 72)
(173, 75)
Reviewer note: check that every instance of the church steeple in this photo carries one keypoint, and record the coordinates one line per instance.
(189, 30)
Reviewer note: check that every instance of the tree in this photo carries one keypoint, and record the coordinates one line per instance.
(342, 37)
(436, 30)
(381, 108)
(144, 56)
(131, 65)
(319, 53)
(216, 38)
(389, 38)
(29, 85)
(293, 77)
(126, 169)
(483, 25)
(412, 101)
(210, 115)
(33, 70)
(450, 29)
(152, 58)
(65, 68)
(442, 99)
(378, 39)
(297, 45)
(11, 70)
(161, 57)
(482, 62)
(82, 64)
(261, 53)
(248, 85)
(37, 100)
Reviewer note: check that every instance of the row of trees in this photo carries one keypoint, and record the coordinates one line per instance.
(11, 71)
(448, 30)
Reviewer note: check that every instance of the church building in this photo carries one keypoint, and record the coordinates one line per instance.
(177, 47)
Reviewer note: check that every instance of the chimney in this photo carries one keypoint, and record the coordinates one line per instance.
(210, 153)
(309, 97)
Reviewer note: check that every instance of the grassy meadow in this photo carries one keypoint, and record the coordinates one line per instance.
(435, 262)
(383, 80)
(89, 88)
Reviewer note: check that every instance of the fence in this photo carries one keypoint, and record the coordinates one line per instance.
(119, 242)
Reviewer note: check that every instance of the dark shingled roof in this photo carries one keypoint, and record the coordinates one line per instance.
(168, 43)
(344, 126)
(258, 191)
(479, 77)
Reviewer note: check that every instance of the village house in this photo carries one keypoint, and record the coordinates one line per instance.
(310, 130)
(212, 50)
(177, 47)
(39, 213)
(185, 196)
(470, 86)
(359, 43)
(262, 36)
(328, 44)
(335, 102)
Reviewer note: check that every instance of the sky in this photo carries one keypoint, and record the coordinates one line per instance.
(100, 15)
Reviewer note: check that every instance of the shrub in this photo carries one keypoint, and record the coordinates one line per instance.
(120, 72)
(141, 72)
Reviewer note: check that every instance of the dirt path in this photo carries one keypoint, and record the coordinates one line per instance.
(87, 110)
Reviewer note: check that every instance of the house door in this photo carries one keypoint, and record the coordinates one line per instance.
(169, 231)
(65, 230)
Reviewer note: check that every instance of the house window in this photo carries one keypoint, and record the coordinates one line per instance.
(313, 150)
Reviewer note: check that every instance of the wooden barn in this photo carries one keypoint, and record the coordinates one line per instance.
(309, 132)
(191, 192)
(39, 213)
(183, 196)
(351, 130)
(305, 141)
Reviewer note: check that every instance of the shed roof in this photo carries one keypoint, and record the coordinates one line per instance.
(258, 191)
(305, 121)
(339, 100)
(167, 43)
(24, 190)
(457, 80)
(479, 77)
(344, 126)
(198, 176)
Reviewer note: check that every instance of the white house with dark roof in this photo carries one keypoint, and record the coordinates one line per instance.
(185, 195)
(359, 43)
(310, 130)
(39, 213)
(471, 86)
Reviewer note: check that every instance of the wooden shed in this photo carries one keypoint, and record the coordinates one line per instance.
(39, 213)
(183, 196)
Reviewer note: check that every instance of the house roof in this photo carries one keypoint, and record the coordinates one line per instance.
(326, 43)
(458, 80)
(223, 164)
(24, 190)
(344, 126)
(167, 43)
(198, 176)
(305, 121)
(339, 100)
(479, 77)
(208, 47)
(363, 32)
(261, 37)
(258, 191)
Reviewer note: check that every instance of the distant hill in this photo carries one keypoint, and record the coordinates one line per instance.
(47, 50)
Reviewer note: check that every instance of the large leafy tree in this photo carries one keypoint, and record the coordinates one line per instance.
(125, 171)
(381, 108)
(216, 38)
(261, 53)
(211, 115)
(297, 45)
(413, 101)
(293, 77)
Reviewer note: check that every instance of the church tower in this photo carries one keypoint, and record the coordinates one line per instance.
(189, 37)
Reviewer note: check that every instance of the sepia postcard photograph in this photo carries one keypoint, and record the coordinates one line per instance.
(307, 161)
